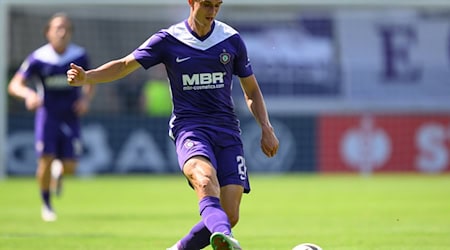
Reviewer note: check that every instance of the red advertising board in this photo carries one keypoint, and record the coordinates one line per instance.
(384, 143)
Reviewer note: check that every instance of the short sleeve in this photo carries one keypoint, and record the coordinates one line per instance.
(150, 52)
(242, 65)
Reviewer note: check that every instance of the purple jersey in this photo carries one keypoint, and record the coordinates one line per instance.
(49, 68)
(200, 72)
(57, 128)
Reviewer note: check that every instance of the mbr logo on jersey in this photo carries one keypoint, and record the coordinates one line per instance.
(202, 81)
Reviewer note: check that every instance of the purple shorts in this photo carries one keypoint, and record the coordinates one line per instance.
(57, 137)
(224, 150)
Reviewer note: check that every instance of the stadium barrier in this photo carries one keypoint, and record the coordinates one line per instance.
(363, 143)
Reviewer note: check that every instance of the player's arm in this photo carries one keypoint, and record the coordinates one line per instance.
(255, 101)
(18, 88)
(82, 104)
(257, 106)
(108, 72)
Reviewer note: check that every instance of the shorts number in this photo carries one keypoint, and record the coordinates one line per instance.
(242, 169)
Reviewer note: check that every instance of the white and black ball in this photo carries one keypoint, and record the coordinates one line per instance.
(307, 246)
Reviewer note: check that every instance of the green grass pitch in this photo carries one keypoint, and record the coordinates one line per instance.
(337, 212)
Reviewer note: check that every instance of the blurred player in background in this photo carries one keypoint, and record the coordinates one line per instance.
(201, 55)
(57, 106)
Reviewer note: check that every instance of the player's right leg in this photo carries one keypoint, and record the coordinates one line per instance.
(43, 176)
(221, 241)
(46, 135)
(70, 149)
(197, 238)
(230, 199)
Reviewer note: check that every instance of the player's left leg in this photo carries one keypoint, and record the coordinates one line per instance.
(59, 170)
(69, 150)
(230, 198)
(233, 179)
(69, 166)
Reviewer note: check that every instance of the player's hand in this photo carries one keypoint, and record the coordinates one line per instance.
(81, 106)
(76, 75)
(33, 101)
(269, 142)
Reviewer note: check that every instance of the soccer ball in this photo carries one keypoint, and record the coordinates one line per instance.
(307, 246)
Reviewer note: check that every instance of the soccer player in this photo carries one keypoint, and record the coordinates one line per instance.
(57, 106)
(201, 55)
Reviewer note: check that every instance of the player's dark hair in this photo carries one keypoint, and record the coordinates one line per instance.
(56, 15)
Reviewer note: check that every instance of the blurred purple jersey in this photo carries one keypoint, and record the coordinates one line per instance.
(200, 72)
(56, 124)
(49, 69)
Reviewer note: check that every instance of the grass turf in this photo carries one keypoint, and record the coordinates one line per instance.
(337, 212)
